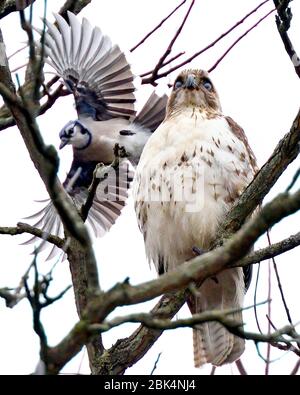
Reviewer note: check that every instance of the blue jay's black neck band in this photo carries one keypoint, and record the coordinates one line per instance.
(87, 143)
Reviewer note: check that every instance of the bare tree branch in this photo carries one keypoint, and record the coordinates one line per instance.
(11, 297)
(7, 121)
(283, 21)
(74, 6)
(22, 228)
(39, 300)
(221, 316)
(272, 251)
(9, 6)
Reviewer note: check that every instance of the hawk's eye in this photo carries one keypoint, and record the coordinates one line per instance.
(178, 84)
(207, 85)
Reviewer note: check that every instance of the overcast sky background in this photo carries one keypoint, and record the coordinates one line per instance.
(258, 88)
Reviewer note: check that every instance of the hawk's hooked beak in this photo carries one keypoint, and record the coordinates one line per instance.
(191, 82)
(63, 143)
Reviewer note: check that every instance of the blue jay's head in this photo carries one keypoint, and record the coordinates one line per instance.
(76, 134)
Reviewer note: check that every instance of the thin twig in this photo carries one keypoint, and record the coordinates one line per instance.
(280, 285)
(296, 368)
(238, 40)
(164, 64)
(241, 368)
(271, 323)
(159, 64)
(157, 27)
(213, 371)
(17, 51)
(294, 180)
(19, 68)
(155, 364)
(268, 358)
(255, 299)
(212, 44)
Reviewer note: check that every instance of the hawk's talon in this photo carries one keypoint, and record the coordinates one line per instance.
(198, 251)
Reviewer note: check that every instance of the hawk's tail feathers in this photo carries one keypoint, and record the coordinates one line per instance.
(213, 343)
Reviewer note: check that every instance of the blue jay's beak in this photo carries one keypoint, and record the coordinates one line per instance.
(191, 82)
(63, 143)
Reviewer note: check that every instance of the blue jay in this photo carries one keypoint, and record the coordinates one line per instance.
(100, 78)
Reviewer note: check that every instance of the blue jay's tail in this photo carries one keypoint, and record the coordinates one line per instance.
(153, 112)
(108, 202)
(93, 69)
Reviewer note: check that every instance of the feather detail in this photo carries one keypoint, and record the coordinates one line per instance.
(91, 68)
(153, 112)
(108, 203)
(212, 342)
(192, 169)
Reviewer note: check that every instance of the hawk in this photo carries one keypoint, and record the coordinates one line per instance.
(192, 169)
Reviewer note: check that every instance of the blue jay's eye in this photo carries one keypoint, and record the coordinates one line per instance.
(84, 131)
(178, 84)
(80, 89)
(207, 84)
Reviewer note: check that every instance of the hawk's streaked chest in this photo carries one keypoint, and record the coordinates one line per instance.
(191, 171)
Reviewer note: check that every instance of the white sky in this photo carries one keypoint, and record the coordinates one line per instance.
(258, 88)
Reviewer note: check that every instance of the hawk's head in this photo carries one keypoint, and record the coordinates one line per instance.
(193, 88)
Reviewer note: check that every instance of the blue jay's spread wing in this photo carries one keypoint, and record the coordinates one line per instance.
(94, 70)
(108, 202)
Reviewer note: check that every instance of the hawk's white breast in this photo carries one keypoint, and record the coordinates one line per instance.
(191, 170)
